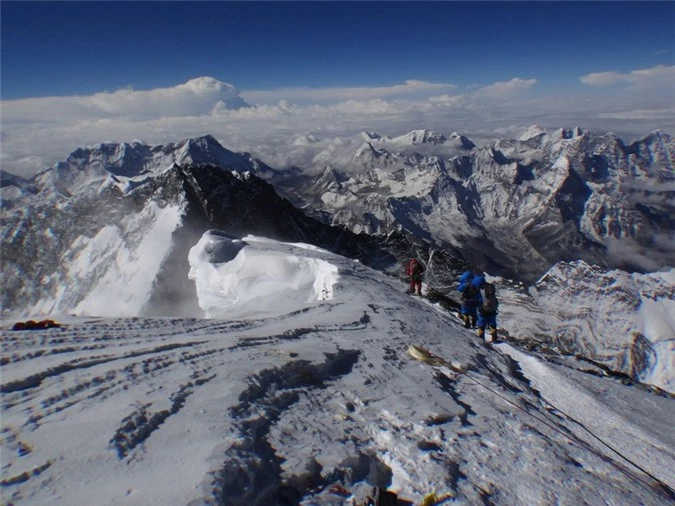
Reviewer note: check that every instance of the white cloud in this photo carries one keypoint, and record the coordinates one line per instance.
(449, 100)
(602, 78)
(195, 97)
(658, 76)
(334, 94)
(506, 89)
(37, 133)
(640, 114)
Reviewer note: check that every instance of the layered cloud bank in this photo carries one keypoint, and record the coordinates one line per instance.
(37, 132)
(660, 75)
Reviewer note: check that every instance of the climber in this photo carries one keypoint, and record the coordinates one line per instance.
(487, 313)
(415, 270)
(470, 284)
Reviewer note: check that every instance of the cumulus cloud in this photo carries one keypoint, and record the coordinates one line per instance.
(449, 100)
(195, 97)
(658, 76)
(342, 94)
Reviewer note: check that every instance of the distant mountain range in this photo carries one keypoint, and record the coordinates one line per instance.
(513, 207)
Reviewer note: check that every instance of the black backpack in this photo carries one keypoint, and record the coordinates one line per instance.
(490, 300)
(470, 293)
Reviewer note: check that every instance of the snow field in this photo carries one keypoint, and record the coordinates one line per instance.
(311, 398)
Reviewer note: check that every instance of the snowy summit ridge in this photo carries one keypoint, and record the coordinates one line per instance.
(313, 402)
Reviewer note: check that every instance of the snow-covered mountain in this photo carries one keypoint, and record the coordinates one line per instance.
(613, 321)
(284, 375)
(305, 393)
(128, 165)
(417, 139)
(514, 207)
(77, 237)
(14, 188)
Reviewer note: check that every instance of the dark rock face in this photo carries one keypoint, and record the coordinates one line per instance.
(640, 357)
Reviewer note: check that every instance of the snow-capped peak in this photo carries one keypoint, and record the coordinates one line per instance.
(195, 148)
(368, 151)
(532, 132)
(207, 150)
(657, 136)
(422, 136)
(461, 141)
(118, 164)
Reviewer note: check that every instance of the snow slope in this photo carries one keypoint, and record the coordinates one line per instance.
(301, 392)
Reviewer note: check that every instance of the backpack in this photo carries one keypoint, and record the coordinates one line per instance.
(490, 302)
(465, 277)
(470, 294)
(414, 268)
(409, 267)
(478, 281)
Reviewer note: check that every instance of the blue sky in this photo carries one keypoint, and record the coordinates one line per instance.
(80, 73)
(69, 48)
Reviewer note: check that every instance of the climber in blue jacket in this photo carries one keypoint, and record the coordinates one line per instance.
(470, 284)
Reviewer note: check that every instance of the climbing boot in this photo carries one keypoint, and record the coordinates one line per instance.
(493, 334)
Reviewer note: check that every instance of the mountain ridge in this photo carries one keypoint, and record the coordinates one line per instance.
(86, 237)
(604, 191)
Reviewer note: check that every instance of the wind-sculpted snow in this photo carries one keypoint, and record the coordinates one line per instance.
(313, 402)
(243, 278)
